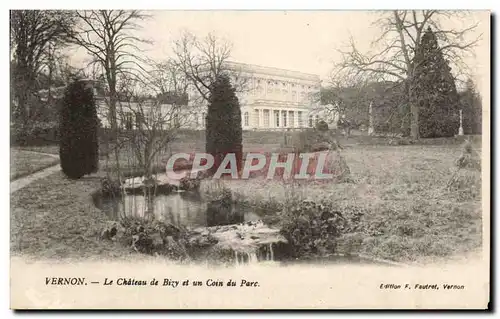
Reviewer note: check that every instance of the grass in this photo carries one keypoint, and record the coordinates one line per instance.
(55, 218)
(23, 163)
(409, 213)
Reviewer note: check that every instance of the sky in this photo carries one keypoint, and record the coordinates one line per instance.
(306, 41)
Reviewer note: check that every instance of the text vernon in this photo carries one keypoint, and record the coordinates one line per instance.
(61, 281)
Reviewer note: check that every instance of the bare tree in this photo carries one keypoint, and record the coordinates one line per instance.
(345, 94)
(152, 118)
(34, 35)
(392, 55)
(202, 60)
(108, 37)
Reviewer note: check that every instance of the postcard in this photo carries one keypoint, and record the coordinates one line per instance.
(169, 159)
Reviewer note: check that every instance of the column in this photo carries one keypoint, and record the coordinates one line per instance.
(255, 115)
(271, 118)
(370, 120)
(461, 129)
(261, 118)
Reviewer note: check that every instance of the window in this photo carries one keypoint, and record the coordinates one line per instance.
(129, 121)
(245, 119)
(283, 113)
(299, 115)
(310, 121)
(198, 119)
(256, 117)
(316, 120)
(291, 117)
(266, 118)
(284, 89)
(277, 118)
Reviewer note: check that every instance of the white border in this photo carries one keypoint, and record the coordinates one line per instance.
(192, 5)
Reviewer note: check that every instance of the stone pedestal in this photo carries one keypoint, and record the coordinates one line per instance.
(461, 129)
(371, 130)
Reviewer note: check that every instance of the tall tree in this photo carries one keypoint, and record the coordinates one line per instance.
(393, 52)
(470, 103)
(108, 36)
(224, 131)
(78, 129)
(34, 35)
(434, 90)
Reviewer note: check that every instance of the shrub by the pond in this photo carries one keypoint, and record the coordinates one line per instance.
(110, 187)
(78, 129)
(314, 229)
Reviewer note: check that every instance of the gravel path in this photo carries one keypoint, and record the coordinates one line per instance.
(26, 180)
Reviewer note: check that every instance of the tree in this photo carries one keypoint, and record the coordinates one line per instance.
(78, 128)
(470, 103)
(393, 52)
(204, 60)
(224, 131)
(108, 37)
(434, 90)
(152, 117)
(349, 95)
(34, 35)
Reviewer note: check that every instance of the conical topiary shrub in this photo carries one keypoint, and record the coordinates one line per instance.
(78, 149)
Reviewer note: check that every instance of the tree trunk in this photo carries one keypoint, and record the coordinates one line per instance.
(414, 132)
(414, 110)
(114, 129)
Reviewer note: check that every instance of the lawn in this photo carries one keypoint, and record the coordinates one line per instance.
(409, 214)
(23, 163)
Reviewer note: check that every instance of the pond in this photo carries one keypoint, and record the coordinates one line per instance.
(241, 235)
(178, 208)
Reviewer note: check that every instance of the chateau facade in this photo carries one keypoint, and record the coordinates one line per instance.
(277, 99)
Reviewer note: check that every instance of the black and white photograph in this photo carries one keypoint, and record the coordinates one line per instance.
(277, 159)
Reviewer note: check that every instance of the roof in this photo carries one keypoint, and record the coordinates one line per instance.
(253, 68)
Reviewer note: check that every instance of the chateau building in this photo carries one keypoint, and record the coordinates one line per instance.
(273, 99)
(270, 99)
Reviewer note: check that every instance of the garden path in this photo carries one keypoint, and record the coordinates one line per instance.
(26, 180)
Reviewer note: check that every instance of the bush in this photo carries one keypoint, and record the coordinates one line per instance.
(78, 129)
(224, 132)
(322, 126)
(314, 229)
(310, 140)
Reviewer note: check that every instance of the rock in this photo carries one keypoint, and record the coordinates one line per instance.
(238, 238)
(163, 182)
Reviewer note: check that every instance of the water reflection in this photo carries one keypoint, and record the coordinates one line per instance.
(187, 209)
